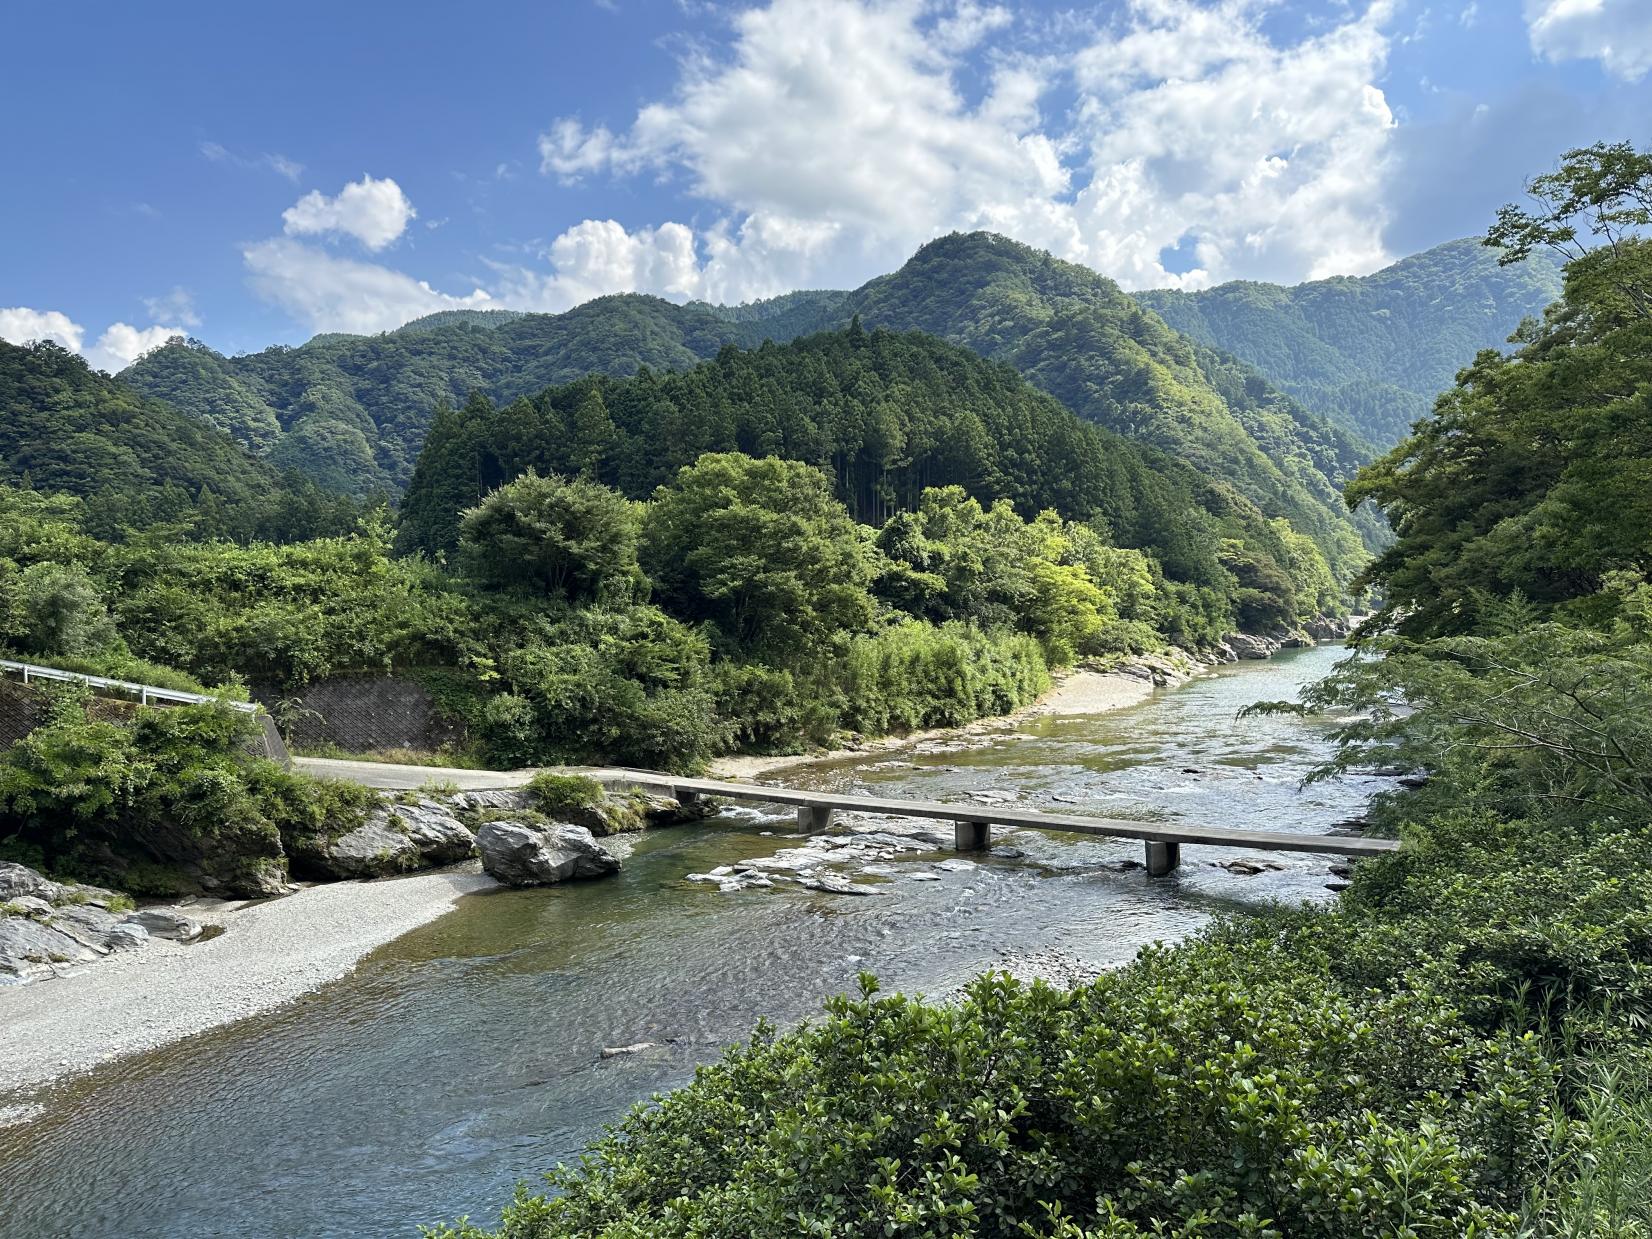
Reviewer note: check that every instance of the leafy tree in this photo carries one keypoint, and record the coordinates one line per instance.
(574, 540)
(1535, 472)
(51, 609)
(760, 549)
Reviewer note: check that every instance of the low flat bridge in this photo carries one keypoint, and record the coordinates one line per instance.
(972, 823)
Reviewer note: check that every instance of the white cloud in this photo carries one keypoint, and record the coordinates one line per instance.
(329, 293)
(21, 325)
(270, 161)
(177, 306)
(1618, 33)
(119, 346)
(831, 138)
(122, 344)
(375, 212)
(834, 137)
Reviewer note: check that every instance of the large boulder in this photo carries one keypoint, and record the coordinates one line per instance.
(524, 854)
(31, 948)
(1246, 645)
(161, 924)
(18, 880)
(395, 838)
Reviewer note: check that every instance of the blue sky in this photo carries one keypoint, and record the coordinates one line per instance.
(253, 175)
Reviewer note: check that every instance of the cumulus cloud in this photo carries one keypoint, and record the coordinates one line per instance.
(835, 137)
(330, 293)
(118, 347)
(831, 138)
(374, 212)
(1618, 33)
(122, 344)
(21, 325)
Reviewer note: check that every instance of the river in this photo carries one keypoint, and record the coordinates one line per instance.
(465, 1056)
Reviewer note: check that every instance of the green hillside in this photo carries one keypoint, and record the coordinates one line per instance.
(1078, 336)
(1370, 352)
(887, 415)
(137, 461)
(352, 411)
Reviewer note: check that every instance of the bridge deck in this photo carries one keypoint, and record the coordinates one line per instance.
(1171, 833)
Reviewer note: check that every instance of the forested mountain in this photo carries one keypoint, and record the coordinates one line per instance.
(352, 411)
(887, 415)
(1078, 336)
(1370, 352)
(138, 462)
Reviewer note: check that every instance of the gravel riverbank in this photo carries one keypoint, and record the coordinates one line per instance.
(271, 952)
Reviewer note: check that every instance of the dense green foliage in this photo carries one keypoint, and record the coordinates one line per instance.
(1368, 352)
(1462, 1046)
(1413, 1063)
(1076, 335)
(159, 801)
(889, 416)
(1535, 472)
(352, 411)
(140, 463)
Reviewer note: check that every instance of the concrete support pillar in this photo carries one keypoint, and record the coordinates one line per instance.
(812, 817)
(971, 836)
(1162, 858)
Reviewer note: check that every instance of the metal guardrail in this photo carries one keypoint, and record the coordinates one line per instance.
(145, 693)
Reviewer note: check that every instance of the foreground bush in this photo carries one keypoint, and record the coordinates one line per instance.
(1412, 1063)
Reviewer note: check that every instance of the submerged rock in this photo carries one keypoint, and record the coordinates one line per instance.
(523, 854)
(834, 885)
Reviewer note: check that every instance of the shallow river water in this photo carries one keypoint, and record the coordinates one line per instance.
(466, 1056)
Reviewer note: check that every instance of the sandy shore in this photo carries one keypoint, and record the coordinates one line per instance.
(1074, 692)
(270, 952)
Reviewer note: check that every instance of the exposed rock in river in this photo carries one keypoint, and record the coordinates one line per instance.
(527, 854)
(395, 838)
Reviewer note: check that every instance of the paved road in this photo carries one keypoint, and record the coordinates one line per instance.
(404, 778)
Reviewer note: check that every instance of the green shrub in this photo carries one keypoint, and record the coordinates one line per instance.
(1420, 1060)
(919, 675)
(553, 792)
(162, 802)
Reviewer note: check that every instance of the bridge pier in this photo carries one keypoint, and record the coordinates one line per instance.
(813, 817)
(971, 836)
(1162, 857)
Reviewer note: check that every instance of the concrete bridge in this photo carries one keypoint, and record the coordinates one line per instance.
(972, 823)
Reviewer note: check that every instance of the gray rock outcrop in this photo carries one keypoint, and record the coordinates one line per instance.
(525, 854)
(395, 838)
(58, 925)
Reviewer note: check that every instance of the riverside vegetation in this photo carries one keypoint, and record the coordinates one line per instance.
(932, 492)
(1459, 1048)
(911, 570)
